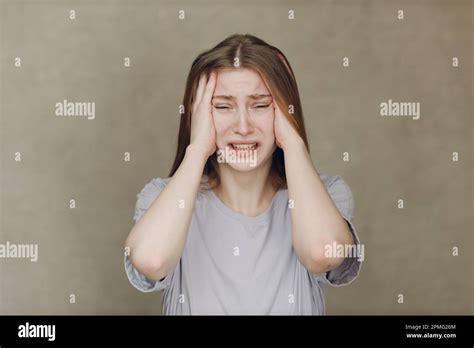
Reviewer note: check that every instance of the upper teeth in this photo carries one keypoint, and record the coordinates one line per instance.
(244, 146)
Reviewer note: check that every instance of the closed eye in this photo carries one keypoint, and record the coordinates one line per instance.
(256, 107)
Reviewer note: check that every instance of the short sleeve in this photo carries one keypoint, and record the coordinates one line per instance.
(349, 269)
(144, 200)
(141, 282)
(147, 196)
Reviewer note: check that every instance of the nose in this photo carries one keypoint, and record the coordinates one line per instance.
(243, 123)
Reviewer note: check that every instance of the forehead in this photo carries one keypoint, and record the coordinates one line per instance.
(239, 82)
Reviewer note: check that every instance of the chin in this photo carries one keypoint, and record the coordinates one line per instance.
(243, 167)
(242, 161)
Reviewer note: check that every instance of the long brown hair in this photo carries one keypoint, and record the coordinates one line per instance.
(253, 53)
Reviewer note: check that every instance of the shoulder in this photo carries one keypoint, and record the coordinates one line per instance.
(329, 180)
(335, 182)
(340, 193)
(335, 185)
(147, 195)
(154, 186)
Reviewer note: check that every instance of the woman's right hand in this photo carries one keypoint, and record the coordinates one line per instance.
(203, 132)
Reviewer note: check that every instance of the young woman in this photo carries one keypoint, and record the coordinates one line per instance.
(244, 224)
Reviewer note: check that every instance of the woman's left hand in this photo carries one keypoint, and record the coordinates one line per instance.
(285, 134)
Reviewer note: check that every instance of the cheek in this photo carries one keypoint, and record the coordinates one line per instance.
(266, 125)
(221, 125)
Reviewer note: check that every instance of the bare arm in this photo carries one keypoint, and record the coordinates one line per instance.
(157, 240)
(315, 219)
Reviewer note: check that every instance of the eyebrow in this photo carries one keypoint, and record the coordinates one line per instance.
(251, 96)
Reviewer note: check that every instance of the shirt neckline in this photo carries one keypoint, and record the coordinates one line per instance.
(262, 217)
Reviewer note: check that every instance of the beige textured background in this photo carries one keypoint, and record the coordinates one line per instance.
(408, 251)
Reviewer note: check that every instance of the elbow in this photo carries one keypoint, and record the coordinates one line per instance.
(147, 264)
(322, 261)
(327, 256)
(151, 268)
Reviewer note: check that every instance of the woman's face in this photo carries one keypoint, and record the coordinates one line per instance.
(243, 112)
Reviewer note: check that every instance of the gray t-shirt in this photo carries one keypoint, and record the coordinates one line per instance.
(241, 265)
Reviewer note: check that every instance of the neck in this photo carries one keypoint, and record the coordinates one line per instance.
(249, 193)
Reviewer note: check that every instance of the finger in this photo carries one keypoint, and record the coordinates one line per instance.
(275, 105)
(200, 90)
(209, 91)
(201, 86)
(278, 112)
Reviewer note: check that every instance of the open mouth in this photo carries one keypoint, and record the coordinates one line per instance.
(241, 147)
(244, 147)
